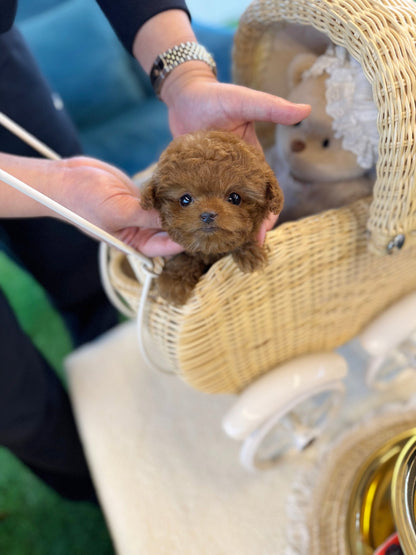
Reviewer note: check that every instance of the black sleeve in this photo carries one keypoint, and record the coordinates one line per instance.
(127, 16)
(7, 14)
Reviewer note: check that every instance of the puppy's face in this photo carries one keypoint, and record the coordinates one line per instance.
(212, 191)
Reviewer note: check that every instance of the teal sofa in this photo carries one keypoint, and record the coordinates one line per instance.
(105, 91)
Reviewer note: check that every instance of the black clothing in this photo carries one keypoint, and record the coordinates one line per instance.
(36, 420)
(127, 16)
(7, 14)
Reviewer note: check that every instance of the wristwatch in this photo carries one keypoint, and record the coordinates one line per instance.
(184, 52)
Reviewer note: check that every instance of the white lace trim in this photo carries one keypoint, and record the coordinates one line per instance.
(350, 103)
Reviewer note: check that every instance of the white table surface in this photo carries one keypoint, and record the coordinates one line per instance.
(168, 479)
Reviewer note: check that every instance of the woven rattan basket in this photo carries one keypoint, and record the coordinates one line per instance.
(328, 275)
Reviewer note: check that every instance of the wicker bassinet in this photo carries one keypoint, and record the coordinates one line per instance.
(328, 275)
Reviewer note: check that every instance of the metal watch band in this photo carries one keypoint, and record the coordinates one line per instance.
(175, 56)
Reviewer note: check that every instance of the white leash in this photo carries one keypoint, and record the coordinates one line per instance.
(137, 260)
(28, 138)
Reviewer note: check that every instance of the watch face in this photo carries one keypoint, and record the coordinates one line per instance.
(156, 70)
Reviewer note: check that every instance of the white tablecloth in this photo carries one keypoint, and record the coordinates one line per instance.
(168, 478)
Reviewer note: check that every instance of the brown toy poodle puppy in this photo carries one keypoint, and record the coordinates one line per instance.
(213, 191)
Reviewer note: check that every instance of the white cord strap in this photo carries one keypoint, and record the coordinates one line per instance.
(27, 137)
(149, 276)
(122, 305)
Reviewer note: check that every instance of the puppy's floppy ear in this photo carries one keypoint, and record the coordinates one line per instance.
(148, 196)
(274, 194)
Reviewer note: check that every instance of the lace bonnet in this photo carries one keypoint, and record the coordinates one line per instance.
(350, 103)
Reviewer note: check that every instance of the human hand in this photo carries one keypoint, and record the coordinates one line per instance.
(106, 197)
(196, 100)
(94, 190)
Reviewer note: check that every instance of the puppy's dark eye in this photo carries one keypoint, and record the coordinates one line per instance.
(234, 198)
(185, 200)
(326, 143)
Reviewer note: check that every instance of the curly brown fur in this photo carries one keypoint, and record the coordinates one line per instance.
(213, 191)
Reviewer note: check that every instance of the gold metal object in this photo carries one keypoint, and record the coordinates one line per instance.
(403, 497)
(371, 517)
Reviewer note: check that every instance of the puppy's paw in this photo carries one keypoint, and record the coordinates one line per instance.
(179, 278)
(175, 291)
(250, 257)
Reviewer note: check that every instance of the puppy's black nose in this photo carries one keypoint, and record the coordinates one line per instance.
(208, 217)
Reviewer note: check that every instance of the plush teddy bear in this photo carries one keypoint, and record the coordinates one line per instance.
(328, 159)
(275, 50)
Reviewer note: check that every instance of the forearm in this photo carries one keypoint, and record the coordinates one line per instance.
(43, 175)
(159, 33)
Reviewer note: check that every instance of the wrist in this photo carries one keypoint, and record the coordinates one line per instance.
(165, 31)
(173, 58)
(184, 77)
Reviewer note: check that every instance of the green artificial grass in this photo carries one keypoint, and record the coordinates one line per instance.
(34, 520)
(35, 314)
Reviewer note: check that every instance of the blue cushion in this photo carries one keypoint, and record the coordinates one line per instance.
(132, 140)
(83, 60)
(219, 41)
(29, 8)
